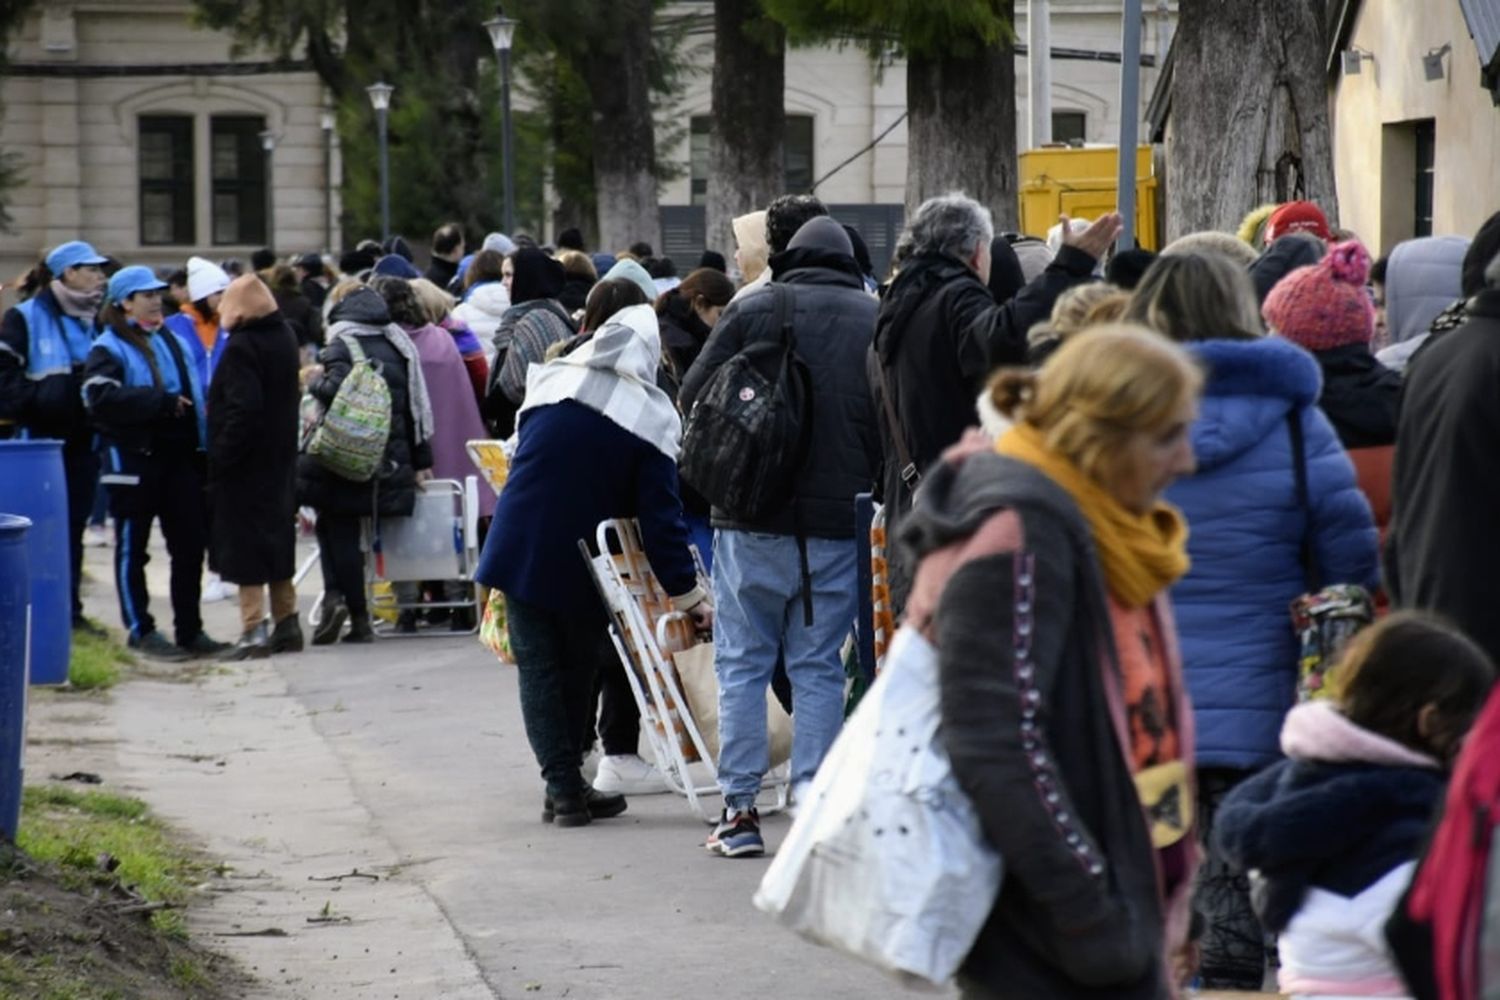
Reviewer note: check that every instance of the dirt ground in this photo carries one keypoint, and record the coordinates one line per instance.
(58, 942)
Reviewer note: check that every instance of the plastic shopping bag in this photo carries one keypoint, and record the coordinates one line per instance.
(886, 860)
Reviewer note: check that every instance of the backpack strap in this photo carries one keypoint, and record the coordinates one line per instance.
(1299, 470)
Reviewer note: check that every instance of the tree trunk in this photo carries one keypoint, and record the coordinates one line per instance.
(624, 133)
(745, 167)
(961, 133)
(1249, 121)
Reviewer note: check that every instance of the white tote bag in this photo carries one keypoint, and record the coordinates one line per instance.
(886, 860)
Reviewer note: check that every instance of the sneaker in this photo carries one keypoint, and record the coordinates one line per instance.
(737, 835)
(581, 810)
(628, 774)
(97, 536)
(360, 630)
(330, 620)
(156, 646)
(217, 590)
(202, 645)
(590, 765)
(90, 627)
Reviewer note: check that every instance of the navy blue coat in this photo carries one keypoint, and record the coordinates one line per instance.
(574, 468)
(1245, 534)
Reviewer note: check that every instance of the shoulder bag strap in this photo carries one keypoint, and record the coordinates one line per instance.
(911, 476)
(1299, 470)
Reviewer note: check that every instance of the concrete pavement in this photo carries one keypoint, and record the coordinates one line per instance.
(407, 759)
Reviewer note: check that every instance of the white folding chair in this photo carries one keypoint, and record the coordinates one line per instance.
(646, 632)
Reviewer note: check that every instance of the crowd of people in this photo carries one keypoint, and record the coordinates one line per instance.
(1109, 475)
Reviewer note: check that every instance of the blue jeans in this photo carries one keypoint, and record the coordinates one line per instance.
(758, 612)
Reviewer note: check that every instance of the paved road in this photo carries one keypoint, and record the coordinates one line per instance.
(407, 759)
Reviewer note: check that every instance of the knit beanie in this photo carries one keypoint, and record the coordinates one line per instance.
(1325, 305)
(204, 277)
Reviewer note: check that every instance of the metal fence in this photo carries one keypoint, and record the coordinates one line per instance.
(684, 232)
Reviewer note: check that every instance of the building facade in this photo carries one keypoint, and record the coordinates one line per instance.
(149, 137)
(1415, 91)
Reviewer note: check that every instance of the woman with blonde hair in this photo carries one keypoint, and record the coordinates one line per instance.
(1075, 310)
(1255, 547)
(579, 275)
(437, 305)
(1044, 564)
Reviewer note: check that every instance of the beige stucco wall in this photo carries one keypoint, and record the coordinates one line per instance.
(852, 102)
(77, 137)
(1393, 89)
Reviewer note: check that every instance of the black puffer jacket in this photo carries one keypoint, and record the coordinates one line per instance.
(363, 314)
(939, 335)
(1281, 258)
(833, 318)
(1361, 397)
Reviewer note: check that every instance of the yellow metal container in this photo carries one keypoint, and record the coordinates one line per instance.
(1081, 183)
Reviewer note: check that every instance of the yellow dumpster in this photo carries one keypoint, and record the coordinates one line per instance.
(1081, 182)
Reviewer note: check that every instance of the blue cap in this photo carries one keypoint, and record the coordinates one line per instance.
(129, 280)
(393, 265)
(74, 253)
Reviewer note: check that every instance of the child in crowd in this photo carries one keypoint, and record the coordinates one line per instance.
(1330, 836)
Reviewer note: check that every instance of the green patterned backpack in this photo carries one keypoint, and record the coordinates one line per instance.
(350, 439)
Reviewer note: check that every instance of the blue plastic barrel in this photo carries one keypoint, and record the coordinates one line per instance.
(15, 637)
(32, 485)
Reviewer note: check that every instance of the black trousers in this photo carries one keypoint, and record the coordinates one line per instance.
(342, 561)
(1234, 947)
(619, 715)
(81, 471)
(170, 491)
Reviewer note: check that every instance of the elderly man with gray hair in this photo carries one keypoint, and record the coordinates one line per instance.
(940, 333)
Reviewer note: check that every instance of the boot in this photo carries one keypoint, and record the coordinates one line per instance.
(331, 619)
(406, 622)
(253, 645)
(360, 629)
(287, 636)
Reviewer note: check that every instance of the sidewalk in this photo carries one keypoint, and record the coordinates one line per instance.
(407, 760)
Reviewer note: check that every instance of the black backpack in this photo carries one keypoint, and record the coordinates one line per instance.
(750, 430)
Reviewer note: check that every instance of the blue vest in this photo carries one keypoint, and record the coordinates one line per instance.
(138, 369)
(187, 332)
(56, 342)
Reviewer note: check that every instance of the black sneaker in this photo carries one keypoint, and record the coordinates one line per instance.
(330, 621)
(360, 630)
(286, 637)
(156, 646)
(202, 645)
(90, 627)
(580, 810)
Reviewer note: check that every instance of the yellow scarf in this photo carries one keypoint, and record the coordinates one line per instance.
(1141, 554)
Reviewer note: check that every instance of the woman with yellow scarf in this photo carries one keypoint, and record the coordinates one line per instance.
(1045, 560)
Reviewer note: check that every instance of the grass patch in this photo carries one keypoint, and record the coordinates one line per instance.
(76, 829)
(96, 662)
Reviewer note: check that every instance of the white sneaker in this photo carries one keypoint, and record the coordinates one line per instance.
(97, 536)
(801, 792)
(216, 590)
(591, 761)
(628, 774)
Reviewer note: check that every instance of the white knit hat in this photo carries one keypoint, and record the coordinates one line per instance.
(204, 278)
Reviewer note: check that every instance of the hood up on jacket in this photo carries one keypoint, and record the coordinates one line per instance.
(1482, 251)
(1251, 387)
(1006, 276)
(1281, 258)
(1422, 278)
(364, 306)
(537, 276)
(820, 243)
(245, 300)
(631, 271)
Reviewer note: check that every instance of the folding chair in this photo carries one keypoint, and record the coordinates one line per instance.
(646, 632)
(439, 541)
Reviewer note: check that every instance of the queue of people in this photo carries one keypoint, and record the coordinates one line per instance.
(1171, 455)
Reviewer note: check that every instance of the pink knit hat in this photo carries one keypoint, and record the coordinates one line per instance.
(1324, 305)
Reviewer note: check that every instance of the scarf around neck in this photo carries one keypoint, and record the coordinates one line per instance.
(614, 374)
(79, 305)
(421, 404)
(1141, 554)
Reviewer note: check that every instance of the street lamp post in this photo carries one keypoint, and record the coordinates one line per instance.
(380, 97)
(502, 30)
(268, 146)
(327, 122)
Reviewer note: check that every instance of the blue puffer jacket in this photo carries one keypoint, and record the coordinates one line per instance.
(1245, 536)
